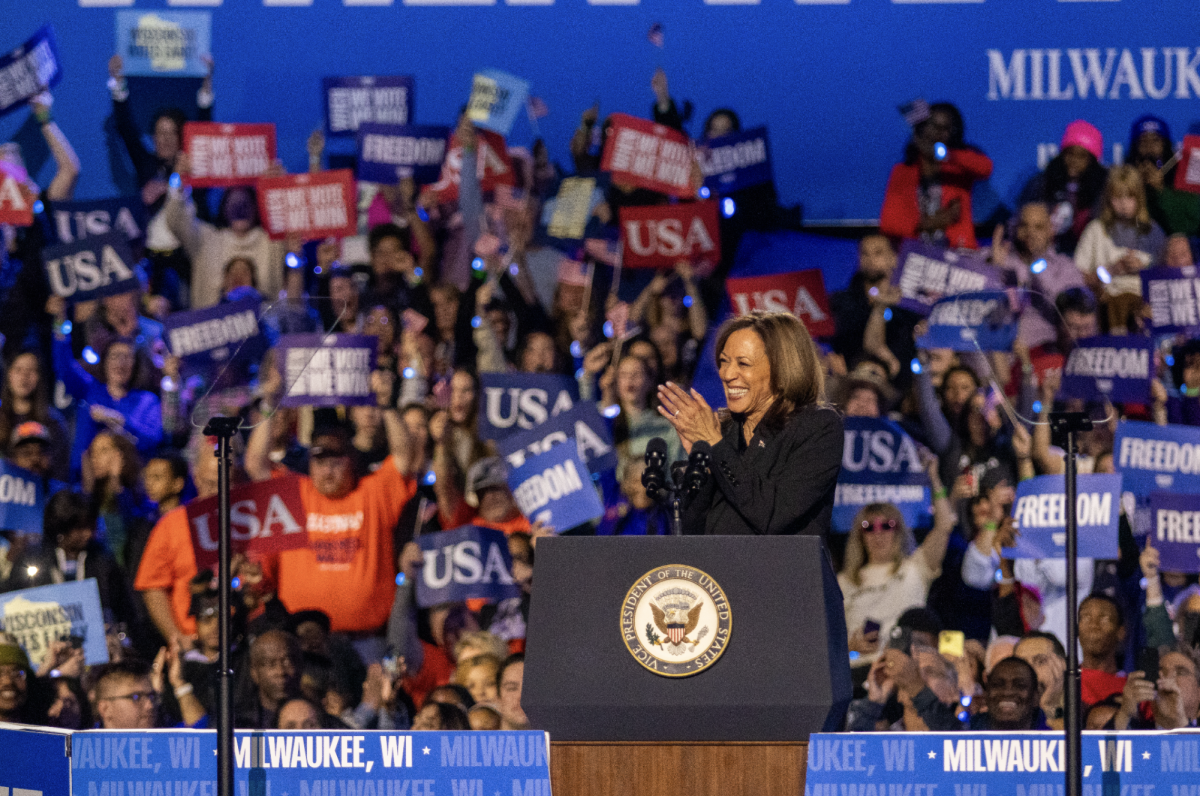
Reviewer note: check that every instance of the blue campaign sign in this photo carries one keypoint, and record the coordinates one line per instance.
(1173, 298)
(1040, 510)
(34, 760)
(29, 69)
(353, 101)
(582, 422)
(928, 273)
(496, 99)
(463, 564)
(880, 464)
(68, 222)
(513, 402)
(735, 161)
(1175, 531)
(389, 152)
(164, 43)
(972, 322)
(91, 268)
(322, 763)
(208, 340)
(1117, 368)
(554, 488)
(1156, 458)
(39, 616)
(22, 499)
(995, 763)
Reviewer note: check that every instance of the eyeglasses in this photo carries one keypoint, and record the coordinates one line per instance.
(137, 697)
(878, 524)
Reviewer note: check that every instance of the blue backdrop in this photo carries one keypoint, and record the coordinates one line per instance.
(825, 78)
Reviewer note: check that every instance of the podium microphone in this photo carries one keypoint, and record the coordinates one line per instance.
(697, 473)
(654, 478)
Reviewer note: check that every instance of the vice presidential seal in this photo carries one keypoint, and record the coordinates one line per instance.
(675, 621)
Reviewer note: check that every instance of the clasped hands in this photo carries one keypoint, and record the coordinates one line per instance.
(690, 414)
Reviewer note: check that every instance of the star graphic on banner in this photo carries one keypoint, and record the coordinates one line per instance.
(1146, 755)
(425, 750)
(932, 754)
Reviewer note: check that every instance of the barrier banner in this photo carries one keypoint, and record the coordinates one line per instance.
(164, 43)
(91, 268)
(34, 761)
(496, 99)
(1175, 531)
(69, 222)
(319, 205)
(467, 563)
(801, 293)
(29, 70)
(222, 155)
(972, 322)
(387, 153)
(1117, 368)
(1040, 510)
(735, 161)
(39, 616)
(1154, 458)
(648, 155)
(582, 422)
(1173, 296)
(928, 273)
(353, 101)
(204, 340)
(265, 518)
(513, 402)
(658, 236)
(880, 464)
(327, 369)
(555, 488)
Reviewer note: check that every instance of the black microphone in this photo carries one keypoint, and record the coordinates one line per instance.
(654, 478)
(678, 470)
(697, 472)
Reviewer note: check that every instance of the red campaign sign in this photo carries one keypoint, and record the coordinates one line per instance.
(493, 166)
(1187, 175)
(802, 293)
(649, 155)
(265, 518)
(319, 205)
(658, 236)
(221, 155)
(16, 201)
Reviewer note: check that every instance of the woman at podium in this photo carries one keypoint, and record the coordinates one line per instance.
(767, 463)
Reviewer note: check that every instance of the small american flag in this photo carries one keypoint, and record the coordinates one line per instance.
(510, 198)
(572, 272)
(538, 108)
(618, 316)
(915, 112)
(655, 36)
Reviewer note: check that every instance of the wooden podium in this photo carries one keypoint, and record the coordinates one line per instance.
(696, 768)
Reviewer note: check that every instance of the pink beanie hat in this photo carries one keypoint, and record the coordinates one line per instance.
(1084, 134)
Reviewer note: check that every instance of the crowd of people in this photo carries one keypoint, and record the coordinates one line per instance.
(944, 633)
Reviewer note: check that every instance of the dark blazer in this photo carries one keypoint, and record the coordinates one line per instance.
(781, 483)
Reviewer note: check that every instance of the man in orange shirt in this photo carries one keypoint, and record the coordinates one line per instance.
(348, 569)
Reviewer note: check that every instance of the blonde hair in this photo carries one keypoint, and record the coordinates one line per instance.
(484, 642)
(797, 379)
(1125, 181)
(465, 667)
(856, 551)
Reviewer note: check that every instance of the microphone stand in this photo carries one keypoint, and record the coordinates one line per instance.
(223, 428)
(1065, 425)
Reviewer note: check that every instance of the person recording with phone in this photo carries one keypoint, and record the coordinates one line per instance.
(775, 452)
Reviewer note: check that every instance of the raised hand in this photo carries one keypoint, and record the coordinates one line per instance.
(690, 414)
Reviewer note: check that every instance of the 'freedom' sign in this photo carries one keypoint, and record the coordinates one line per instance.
(801, 293)
(28, 70)
(265, 518)
(972, 321)
(40, 616)
(1040, 510)
(463, 564)
(735, 161)
(928, 273)
(582, 422)
(221, 155)
(22, 500)
(351, 102)
(496, 99)
(1173, 296)
(1156, 458)
(320, 205)
(327, 369)
(880, 464)
(555, 488)
(515, 402)
(91, 268)
(1118, 368)
(387, 153)
(206, 339)
(648, 155)
(1175, 531)
(658, 236)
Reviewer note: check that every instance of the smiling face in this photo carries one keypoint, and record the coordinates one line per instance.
(879, 538)
(746, 374)
(118, 365)
(633, 383)
(1034, 231)
(1012, 695)
(23, 376)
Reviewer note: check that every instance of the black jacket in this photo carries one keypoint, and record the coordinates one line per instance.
(115, 596)
(781, 483)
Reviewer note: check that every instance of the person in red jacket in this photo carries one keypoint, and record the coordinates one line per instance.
(929, 194)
